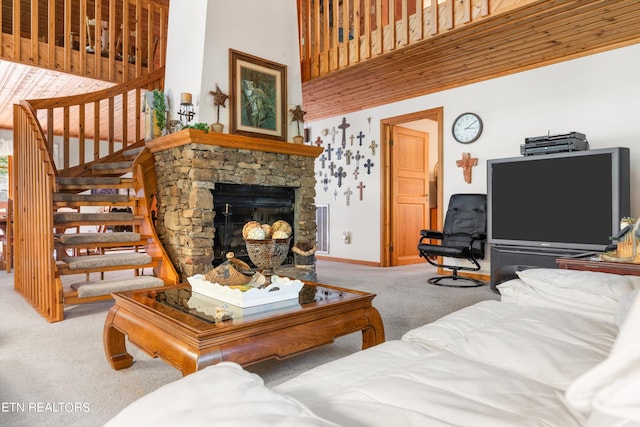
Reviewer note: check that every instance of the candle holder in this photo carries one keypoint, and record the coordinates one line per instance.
(186, 111)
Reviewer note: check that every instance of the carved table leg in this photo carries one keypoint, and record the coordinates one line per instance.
(374, 333)
(114, 343)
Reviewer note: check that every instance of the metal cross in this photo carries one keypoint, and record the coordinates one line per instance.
(373, 147)
(329, 149)
(369, 164)
(348, 155)
(332, 168)
(322, 159)
(340, 174)
(358, 156)
(360, 137)
(318, 141)
(348, 194)
(352, 137)
(325, 183)
(335, 194)
(356, 172)
(360, 187)
(333, 134)
(339, 153)
(344, 127)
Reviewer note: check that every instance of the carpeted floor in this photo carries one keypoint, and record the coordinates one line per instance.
(57, 375)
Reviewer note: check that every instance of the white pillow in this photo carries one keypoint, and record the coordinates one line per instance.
(587, 293)
(223, 394)
(611, 390)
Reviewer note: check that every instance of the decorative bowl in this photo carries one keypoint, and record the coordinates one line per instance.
(267, 254)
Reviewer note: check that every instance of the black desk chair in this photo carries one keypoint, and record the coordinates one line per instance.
(464, 236)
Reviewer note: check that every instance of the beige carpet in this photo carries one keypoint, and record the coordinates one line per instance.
(57, 375)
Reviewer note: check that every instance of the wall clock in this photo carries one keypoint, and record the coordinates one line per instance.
(467, 128)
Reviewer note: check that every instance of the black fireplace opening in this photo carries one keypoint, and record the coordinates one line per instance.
(237, 204)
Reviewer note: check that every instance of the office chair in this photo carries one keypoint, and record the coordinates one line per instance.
(463, 237)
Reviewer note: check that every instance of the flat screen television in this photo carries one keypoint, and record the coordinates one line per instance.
(571, 200)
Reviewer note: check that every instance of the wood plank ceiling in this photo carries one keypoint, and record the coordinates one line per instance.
(541, 33)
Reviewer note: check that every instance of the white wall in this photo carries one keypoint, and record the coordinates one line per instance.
(597, 95)
(201, 33)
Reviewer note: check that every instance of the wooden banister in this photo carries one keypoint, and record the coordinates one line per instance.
(34, 179)
(120, 105)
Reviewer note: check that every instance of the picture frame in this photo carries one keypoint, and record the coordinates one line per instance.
(258, 102)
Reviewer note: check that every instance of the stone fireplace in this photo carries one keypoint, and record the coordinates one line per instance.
(188, 166)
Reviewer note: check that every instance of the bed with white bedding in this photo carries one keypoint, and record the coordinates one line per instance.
(525, 361)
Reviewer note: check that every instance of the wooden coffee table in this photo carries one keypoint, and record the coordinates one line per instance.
(189, 341)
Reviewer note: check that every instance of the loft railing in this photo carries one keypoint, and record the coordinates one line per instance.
(111, 40)
(335, 34)
(37, 154)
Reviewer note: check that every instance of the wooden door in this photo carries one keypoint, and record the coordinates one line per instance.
(409, 193)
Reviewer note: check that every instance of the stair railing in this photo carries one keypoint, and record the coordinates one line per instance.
(34, 179)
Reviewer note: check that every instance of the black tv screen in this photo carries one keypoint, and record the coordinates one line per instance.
(571, 200)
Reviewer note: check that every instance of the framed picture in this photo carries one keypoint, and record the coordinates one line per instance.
(258, 102)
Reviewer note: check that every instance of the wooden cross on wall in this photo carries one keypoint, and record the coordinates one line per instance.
(466, 163)
(318, 142)
(361, 187)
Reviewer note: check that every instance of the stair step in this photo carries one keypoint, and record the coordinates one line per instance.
(112, 168)
(132, 153)
(112, 165)
(106, 287)
(93, 262)
(93, 198)
(107, 218)
(91, 182)
(71, 240)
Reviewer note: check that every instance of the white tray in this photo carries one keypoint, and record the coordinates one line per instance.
(280, 289)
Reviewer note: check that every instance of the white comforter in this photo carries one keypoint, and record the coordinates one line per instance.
(491, 364)
(489, 374)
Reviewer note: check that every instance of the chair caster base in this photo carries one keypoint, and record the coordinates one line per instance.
(474, 283)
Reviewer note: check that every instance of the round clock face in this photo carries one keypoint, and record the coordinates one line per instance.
(467, 128)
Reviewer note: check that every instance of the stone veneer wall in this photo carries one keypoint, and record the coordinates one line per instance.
(187, 174)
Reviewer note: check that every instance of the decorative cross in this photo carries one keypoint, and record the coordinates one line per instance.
(333, 134)
(318, 141)
(360, 137)
(332, 167)
(329, 149)
(348, 194)
(356, 172)
(361, 187)
(325, 182)
(348, 155)
(335, 194)
(339, 153)
(322, 159)
(369, 164)
(340, 174)
(344, 127)
(466, 164)
(358, 156)
(373, 147)
(352, 137)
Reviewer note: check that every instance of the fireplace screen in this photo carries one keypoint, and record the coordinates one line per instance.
(236, 204)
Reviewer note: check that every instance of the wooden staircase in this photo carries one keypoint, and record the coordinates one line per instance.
(83, 225)
(102, 249)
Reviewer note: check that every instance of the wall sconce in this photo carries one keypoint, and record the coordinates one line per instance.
(186, 111)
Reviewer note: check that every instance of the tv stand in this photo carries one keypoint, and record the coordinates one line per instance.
(506, 260)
